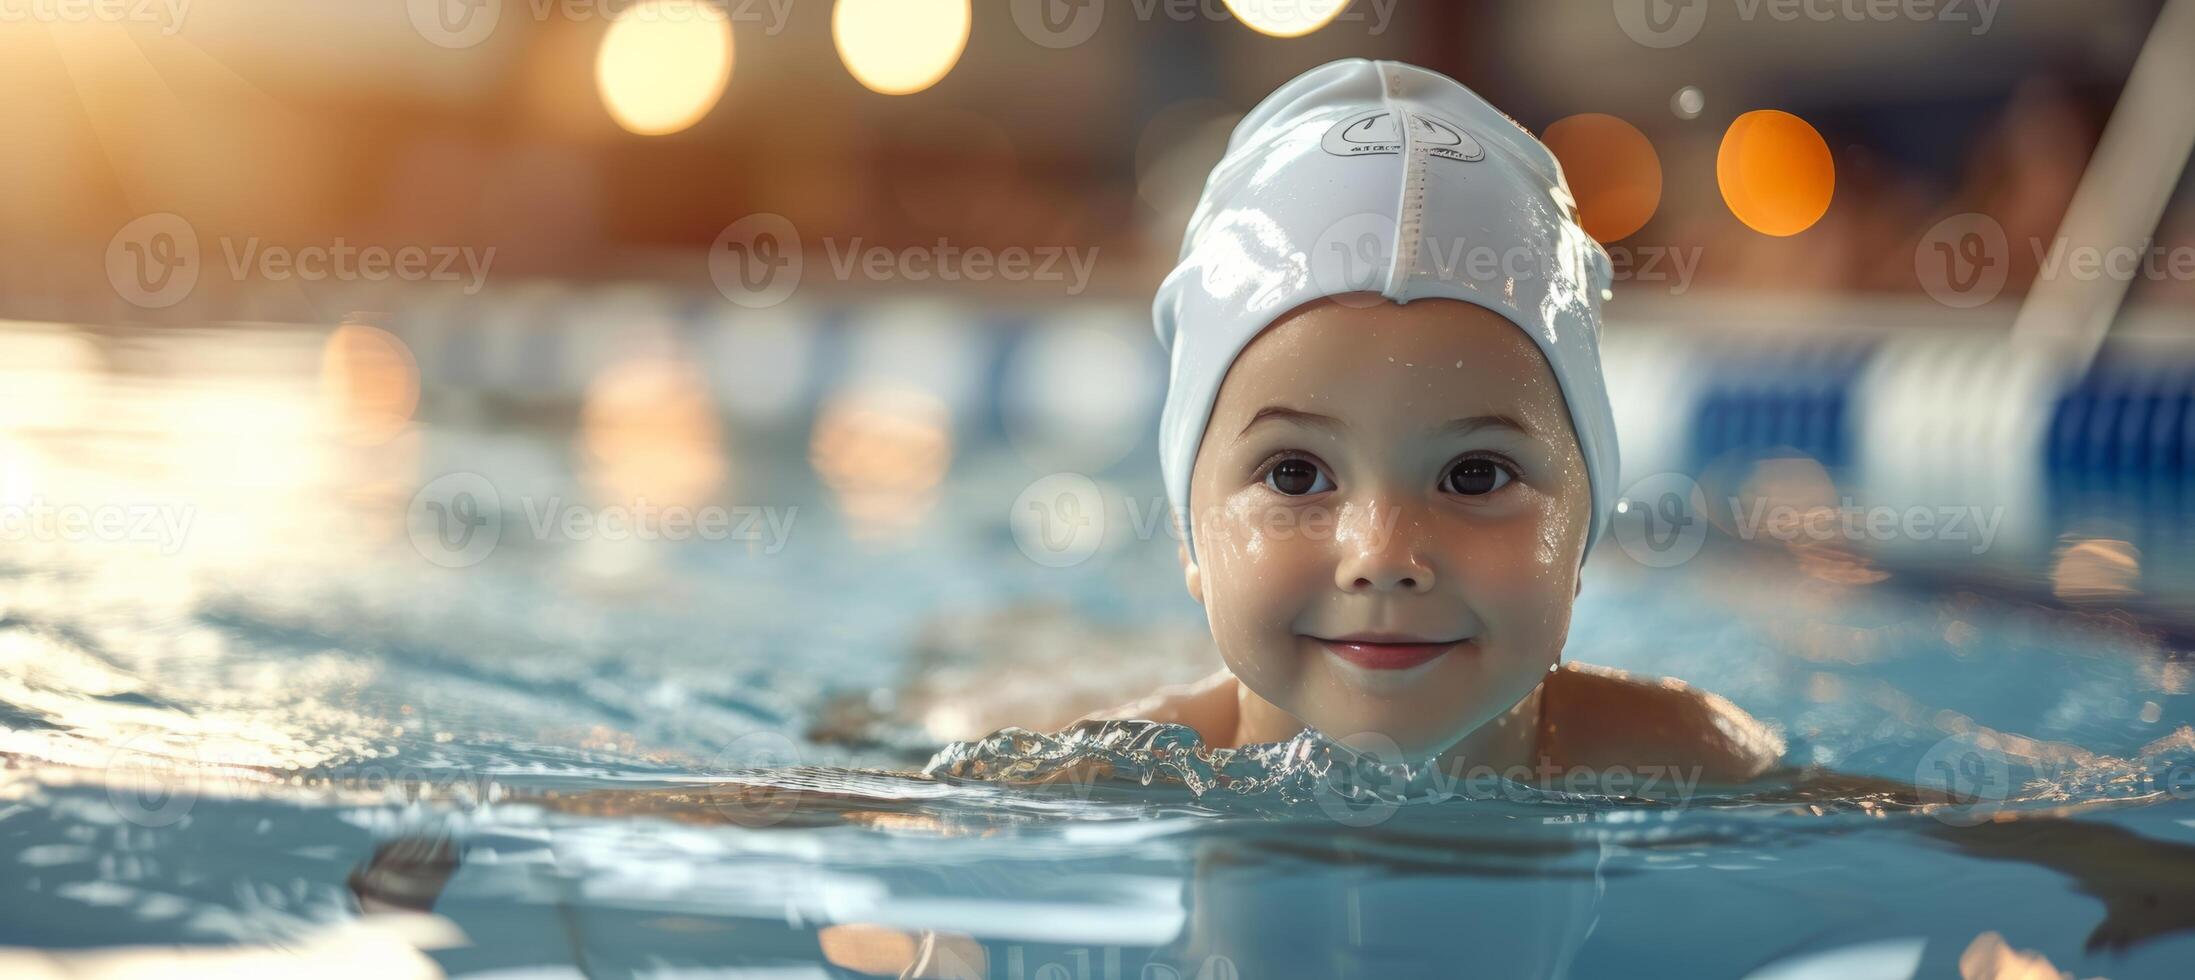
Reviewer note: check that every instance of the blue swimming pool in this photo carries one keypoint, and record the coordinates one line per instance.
(252, 705)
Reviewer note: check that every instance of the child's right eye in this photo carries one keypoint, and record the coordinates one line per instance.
(1297, 478)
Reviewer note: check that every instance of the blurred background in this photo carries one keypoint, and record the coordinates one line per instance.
(509, 394)
(594, 142)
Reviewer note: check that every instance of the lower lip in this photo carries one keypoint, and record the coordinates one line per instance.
(1388, 656)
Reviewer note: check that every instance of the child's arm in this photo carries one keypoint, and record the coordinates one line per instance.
(1207, 705)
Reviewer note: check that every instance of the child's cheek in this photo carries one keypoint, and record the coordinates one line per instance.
(1257, 577)
(1521, 572)
(1556, 547)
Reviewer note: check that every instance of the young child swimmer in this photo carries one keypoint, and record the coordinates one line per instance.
(1388, 439)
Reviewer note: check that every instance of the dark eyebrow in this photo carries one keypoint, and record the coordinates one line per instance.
(1313, 420)
(1309, 420)
(1466, 426)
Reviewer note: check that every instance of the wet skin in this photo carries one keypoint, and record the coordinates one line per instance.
(1407, 472)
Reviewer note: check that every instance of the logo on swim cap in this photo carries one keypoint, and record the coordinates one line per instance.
(1374, 132)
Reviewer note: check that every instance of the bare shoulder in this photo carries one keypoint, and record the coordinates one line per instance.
(1601, 718)
(1208, 705)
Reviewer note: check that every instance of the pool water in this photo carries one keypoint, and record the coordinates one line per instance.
(275, 731)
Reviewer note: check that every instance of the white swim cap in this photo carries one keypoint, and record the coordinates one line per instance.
(1323, 192)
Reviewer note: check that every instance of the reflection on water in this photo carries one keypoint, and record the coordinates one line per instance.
(262, 717)
(883, 454)
(1262, 897)
(369, 383)
(2094, 569)
(648, 432)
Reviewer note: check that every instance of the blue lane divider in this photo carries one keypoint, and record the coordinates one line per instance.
(2124, 434)
(1786, 400)
(2125, 428)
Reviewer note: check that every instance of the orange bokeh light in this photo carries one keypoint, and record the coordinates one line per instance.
(1612, 169)
(1775, 172)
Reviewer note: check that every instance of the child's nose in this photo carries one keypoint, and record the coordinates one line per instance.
(1377, 559)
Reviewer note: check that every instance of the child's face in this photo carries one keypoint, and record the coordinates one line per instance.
(1389, 472)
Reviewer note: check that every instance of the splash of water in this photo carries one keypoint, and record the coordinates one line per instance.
(1314, 768)
(1310, 767)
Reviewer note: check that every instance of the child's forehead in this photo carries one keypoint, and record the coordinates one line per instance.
(1423, 358)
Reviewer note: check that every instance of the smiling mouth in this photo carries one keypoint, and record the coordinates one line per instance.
(1380, 652)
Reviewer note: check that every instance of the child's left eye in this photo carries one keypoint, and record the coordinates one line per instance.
(1476, 477)
(1297, 478)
